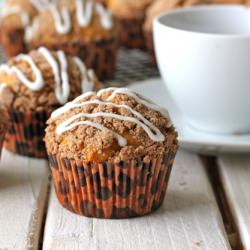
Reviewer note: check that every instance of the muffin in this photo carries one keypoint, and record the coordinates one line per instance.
(15, 17)
(3, 129)
(33, 85)
(82, 28)
(111, 154)
(131, 16)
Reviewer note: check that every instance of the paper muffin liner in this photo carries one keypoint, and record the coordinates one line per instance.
(12, 41)
(111, 190)
(97, 55)
(131, 35)
(26, 133)
(150, 46)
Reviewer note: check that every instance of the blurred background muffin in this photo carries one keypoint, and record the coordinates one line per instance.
(80, 27)
(104, 2)
(15, 17)
(32, 86)
(131, 16)
(111, 154)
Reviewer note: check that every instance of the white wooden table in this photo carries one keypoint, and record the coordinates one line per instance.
(207, 207)
(207, 204)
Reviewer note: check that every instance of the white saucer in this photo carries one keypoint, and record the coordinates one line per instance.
(189, 138)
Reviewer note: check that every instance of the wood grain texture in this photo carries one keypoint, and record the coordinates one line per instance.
(235, 175)
(23, 193)
(189, 219)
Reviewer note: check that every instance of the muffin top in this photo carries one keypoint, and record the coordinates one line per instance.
(72, 20)
(18, 13)
(128, 8)
(43, 80)
(112, 124)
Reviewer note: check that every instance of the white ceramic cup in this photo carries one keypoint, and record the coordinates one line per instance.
(203, 54)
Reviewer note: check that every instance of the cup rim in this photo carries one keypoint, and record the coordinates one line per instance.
(157, 21)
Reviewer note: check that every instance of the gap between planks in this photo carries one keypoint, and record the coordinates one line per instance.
(235, 176)
(188, 219)
(223, 204)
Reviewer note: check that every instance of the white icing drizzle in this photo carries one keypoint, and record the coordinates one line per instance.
(106, 16)
(31, 29)
(84, 13)
(60, 72)
(11, 10)
(153, 132)
(88, 76)
(130, 93)
(2, 86)
(41, 4)
(121, 140)
(61, 18)
(62, 91)
(35, 85)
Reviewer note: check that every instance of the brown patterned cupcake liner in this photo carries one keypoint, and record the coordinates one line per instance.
(131, 35)
(12, 41)
(111, 190)
(26, 133)
(99, 55)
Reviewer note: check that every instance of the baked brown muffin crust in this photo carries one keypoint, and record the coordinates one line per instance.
(16, 95)
(96, 29)
(129, 8)
(17, 13)
(118, 138)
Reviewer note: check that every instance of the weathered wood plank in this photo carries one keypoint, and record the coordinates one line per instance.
(189, 219)
(235, 176)
(23, 193)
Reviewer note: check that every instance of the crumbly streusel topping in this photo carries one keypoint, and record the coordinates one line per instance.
(15, 94)
(94, 30)
(74, 131)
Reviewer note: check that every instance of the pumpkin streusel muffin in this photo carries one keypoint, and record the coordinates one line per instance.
(15, 16)
(102, 2)
(111, 154)
(79, 27)
(32, 86)
(131, 16)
